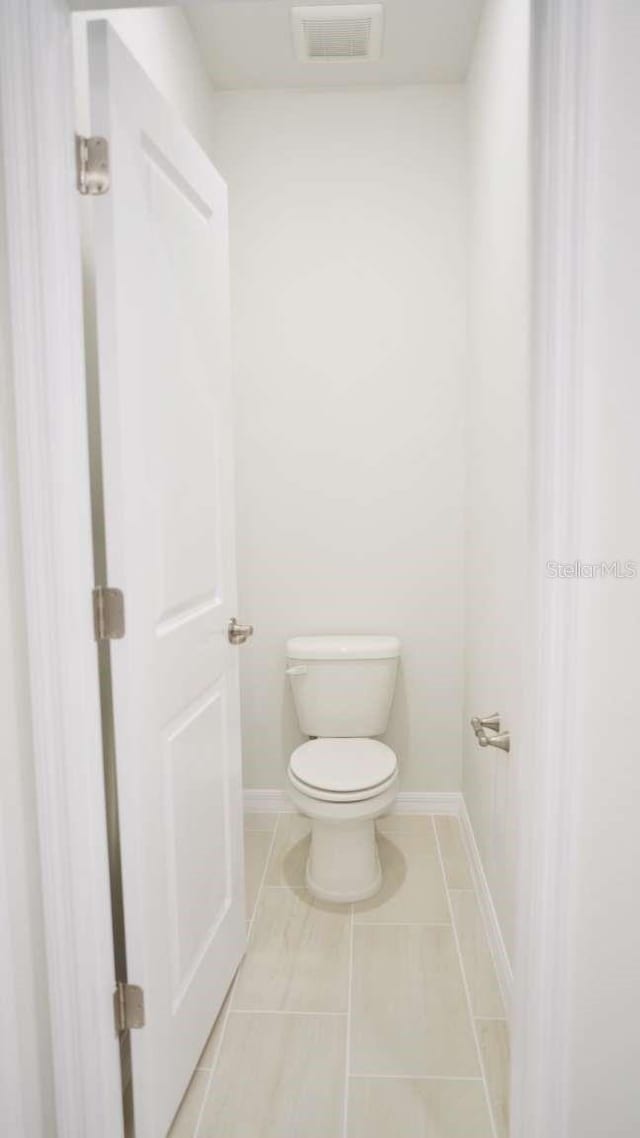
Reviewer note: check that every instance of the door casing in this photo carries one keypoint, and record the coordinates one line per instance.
(45, 301)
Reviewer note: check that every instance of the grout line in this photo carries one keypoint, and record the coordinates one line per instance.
(223, 1029)
(279, 1012)
(403, 924)
(472, 1018)
(345, 1118)
(261, 886)
(413, 830)
(214, 1065)
(424, 1078)
(289, 888)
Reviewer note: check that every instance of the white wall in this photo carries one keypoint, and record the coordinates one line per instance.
(604, 1093)
(348, 292)
(497, 431)
(348, 279)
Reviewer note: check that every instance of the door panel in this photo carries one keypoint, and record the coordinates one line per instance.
(197, 826)
(160, 263)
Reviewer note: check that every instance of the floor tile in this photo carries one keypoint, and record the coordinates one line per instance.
(257, 844)
(298, 956)
(210, 1049)
(413, 889)
(418, 1108)
(456, 864)
(476, 956)
(277, 1064)
(279, 1076)
(493, 1036)
(409, 1011)
(260, 821)
(186, 1119)
(404, 823)
(288, 861)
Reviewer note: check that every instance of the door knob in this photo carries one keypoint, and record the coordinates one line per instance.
(238, 633)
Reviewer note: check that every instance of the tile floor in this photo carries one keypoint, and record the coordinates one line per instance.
(360, 1021)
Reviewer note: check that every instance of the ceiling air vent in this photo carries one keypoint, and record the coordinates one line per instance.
(338, 31)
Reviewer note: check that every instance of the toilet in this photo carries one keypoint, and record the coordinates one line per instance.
(343, 778)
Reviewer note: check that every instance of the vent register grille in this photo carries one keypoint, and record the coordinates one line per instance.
(337, 39)
(338, 32)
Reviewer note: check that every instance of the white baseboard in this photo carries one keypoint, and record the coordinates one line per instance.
(267, 802)
(487, 908)
(428, 802)
(407, 802)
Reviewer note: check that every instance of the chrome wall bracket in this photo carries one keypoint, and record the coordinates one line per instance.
(489, 722)
(500, 739)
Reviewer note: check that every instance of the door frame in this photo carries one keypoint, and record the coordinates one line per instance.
(562, 68)
(45, 300)
(47, 358)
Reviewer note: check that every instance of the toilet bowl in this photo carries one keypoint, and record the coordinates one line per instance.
(343, 785)
(343, 778)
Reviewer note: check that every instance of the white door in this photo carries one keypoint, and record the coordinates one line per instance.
(159, 246)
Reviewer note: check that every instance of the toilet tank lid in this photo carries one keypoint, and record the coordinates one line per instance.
(343, 647)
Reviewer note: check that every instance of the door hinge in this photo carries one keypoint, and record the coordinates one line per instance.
(128, 1006)
(108, 613)
(92, 164)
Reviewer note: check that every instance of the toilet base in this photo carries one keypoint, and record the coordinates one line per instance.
(343, 863)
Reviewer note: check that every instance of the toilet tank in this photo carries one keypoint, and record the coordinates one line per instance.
(343, 685)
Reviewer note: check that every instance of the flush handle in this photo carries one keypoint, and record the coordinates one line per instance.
(238, 633)
(296, 670)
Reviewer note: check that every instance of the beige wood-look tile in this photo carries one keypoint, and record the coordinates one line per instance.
(298, 956)
(257, 844)
(260, 821)
(418, 1108)
(279, 1076)
(409, 1010)
(493, 1036)
(210, 1050)
(476, 956)
(404, 824)
(288, 861)
(185, 1121)
(413, 889)
(456, 864)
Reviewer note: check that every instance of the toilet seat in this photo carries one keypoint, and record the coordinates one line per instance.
(343, 770)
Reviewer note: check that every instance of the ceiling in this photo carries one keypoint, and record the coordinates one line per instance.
(248, 44)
